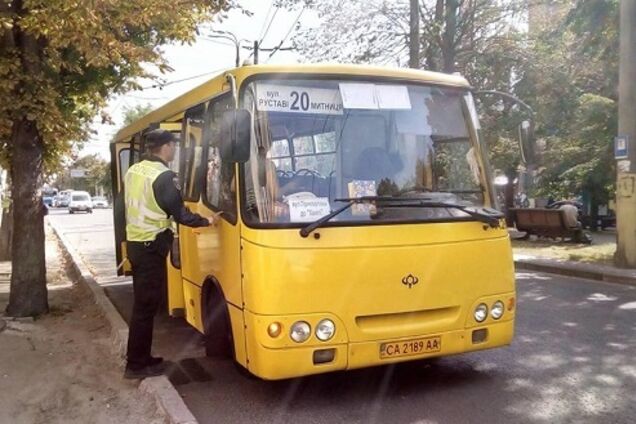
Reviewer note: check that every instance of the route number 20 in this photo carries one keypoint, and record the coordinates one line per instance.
(302, 98)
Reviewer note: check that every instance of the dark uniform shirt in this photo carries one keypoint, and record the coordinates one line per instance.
(169, 199)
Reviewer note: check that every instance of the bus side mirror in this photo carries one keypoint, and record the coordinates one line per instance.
(235, 136)
(527, 142)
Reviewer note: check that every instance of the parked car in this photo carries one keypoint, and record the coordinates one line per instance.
(48, 194)
(80, 201)
(63, 201)
(47, 200)
(64, 198)
(100, 202)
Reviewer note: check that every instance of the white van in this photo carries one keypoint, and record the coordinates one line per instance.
(80, 201)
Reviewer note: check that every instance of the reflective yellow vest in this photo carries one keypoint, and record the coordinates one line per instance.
(144, 218)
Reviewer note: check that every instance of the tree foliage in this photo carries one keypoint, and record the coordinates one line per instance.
(454, 35)
(571, 81)
(566, 68)
(134, 113)
(61, 59)
(97, 175)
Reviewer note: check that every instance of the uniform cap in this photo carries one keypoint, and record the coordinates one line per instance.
(159, 137)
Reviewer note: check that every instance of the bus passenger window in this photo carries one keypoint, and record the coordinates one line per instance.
(220, 190)
(174, 163)
(124, 163)
(192, 153)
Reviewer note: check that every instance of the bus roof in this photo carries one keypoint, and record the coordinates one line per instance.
(174, 109)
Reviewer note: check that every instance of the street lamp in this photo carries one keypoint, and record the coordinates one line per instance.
(226, 35)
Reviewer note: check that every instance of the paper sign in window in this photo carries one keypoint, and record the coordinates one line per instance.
(393, 97)
(358, 96)
(308, 209)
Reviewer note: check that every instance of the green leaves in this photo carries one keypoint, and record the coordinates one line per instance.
(61, 59)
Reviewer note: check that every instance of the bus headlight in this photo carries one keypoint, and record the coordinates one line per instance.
(325, 330)
(481, 312)
(300, 331)
(497, 309)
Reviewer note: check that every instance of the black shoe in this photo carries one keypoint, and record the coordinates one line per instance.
(148, 371)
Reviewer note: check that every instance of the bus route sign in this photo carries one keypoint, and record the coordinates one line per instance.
(284, 98)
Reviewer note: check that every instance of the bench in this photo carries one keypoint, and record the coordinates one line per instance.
(543, 223)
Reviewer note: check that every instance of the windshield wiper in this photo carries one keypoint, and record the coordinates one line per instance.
(305, 231)
(490, 216)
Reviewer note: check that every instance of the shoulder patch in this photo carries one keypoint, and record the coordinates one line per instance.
(175, 181)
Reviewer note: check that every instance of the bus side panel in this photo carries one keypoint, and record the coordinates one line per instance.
(176, 299)
(213, 251)
(192, 295)
(238, 333)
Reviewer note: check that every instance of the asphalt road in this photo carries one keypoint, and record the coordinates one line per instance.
(573, 360)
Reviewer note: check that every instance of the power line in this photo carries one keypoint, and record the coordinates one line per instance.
(161, 85)
(212, 40)
(269, 25)
(271, 4)
(286, 35)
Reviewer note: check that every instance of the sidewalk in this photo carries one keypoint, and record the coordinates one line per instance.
(58, 368)
(557, 258)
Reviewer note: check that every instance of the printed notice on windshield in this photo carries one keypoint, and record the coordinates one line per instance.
(371, 96)
(393, 97)
(358, 96)
(285, 98)
(308, 210)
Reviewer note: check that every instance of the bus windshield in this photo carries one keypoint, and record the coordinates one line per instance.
(318, 142)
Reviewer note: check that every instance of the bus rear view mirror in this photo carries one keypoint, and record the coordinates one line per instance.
(235, 136)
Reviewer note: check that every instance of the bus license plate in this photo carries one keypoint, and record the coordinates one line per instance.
(410, 347)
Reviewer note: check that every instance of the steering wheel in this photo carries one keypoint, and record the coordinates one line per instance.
(306, 171)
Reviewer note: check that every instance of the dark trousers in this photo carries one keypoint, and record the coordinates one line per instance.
(149, 282)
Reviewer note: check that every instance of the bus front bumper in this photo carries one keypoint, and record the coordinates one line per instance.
(289, 362)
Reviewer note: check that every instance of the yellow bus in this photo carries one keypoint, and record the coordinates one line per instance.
(359, 218)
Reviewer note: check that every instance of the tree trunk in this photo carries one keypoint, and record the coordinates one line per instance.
(414, 37)
(593, 212)
(28, 295)
(509, 196)
(448, 50)
(6, 229)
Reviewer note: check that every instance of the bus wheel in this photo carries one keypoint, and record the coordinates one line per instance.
(216, 322)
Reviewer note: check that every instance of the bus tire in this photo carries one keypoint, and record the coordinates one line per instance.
(216, 324)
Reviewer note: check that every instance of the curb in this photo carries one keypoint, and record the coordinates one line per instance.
(119, 328)
(574, 271)
(168, 399)
(166, 396)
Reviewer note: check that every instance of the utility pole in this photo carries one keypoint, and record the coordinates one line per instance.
(414, 37)
(625, 148)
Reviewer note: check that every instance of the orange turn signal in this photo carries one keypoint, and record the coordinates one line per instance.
(511, 303)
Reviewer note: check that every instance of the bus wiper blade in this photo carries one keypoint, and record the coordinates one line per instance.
(491, 217)
(305, 231)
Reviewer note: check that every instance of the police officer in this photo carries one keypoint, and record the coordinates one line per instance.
(152, 202)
